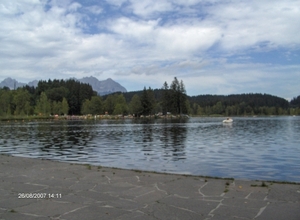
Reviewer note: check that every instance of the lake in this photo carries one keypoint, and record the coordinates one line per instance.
(256, 148)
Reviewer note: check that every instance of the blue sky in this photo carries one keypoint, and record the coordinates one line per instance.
(215, 47)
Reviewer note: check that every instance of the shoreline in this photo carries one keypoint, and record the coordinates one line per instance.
(157, 172)
(117, 117)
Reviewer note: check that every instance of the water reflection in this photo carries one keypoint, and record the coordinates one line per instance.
(173, 138)
(255, 148)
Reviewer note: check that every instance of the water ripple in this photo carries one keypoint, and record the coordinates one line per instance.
(249, 148)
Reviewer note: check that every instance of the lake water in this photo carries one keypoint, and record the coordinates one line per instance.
(264, 148)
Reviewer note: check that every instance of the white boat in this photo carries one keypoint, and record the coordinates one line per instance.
(228, 120)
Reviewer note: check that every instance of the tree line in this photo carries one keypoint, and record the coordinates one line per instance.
(48, 98)
(243, 104)
(70, 97)
(230, 105)
(170, 100)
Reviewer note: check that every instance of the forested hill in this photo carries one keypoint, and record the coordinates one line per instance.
(49, 97)
(295, 102)
(128, 95)
(235, 104)
(242, 104)
(252, 99)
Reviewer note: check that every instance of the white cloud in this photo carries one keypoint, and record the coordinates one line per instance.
(246, 24)
(187, 39)
(153, 41)
(141, 30)
(166, 41)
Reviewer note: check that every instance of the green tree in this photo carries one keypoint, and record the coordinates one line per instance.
(194, 108)
(165, 98)
(86, 92)
(151, 100)
(135, 106)
(184, 105)
(74, 91)
(187, 106)
(208, 110)
(118, 109)
(97, 105)
(295, 102)
(57, 94)
(109, 104)
(218, 108)
(230, 110)
(178, 97)
(28, 108)
(20, 98)
(6, 99)
(86, 107)
(121, 107)
(147, 101)
(64, 106)
(174, 96)
(43, 106)
(56, 108)
(200, 110)
(73, 105)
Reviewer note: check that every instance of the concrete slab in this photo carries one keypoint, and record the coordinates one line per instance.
(167, 212)
(94, 212)
(281, 210)
(74, 191)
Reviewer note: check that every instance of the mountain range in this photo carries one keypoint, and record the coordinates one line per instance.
(103, 87)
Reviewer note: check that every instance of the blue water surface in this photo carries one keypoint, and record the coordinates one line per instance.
(257, 148)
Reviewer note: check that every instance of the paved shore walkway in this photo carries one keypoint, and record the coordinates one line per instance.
(72, 191)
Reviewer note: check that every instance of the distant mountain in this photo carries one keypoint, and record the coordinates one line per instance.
(103, 87)
(33, 83)
(11, 83)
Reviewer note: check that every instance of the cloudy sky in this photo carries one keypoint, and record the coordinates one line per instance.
(214, 46)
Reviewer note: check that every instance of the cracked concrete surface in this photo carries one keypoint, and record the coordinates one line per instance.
(91, 192)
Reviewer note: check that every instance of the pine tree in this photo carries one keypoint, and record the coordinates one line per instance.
(178, 97)
(165, 98)
(147, 101)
